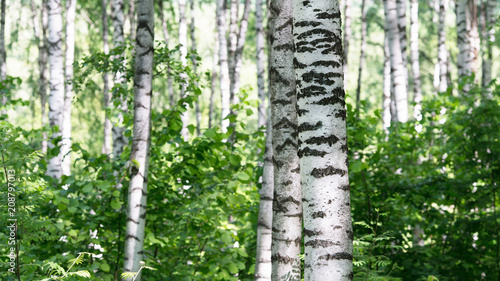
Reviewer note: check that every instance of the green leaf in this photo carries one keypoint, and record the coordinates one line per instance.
(235, 160)
(61, 207)
(72, 233)
(233, 268)
(116, 204)
(243, 176)
(356, 166)
(105, 267)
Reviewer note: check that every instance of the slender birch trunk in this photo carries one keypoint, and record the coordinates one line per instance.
(183, 59)
(131, 18)
(106, 146)
(242, 33)
(362, 56)
(232, 43)
(3, 56)
(213, 80)
(347, 37)
(56, 98)
(192, 29)
(141, 142)
(41, 37)
(468, 38)
(398, 77)
(442, 84)
(119, 139)
(386, 99)
(415, 65)
(287, 204)
(263, 265)
(223, 64)
(490, 41)
(70, 58)
(166, 36)
(260, 60)
(323, 141)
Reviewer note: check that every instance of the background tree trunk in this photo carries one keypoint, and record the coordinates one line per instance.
(287, 204)
(3, 56)
(166, 35)
(242, 33)
(442, 84)
(386, 99)
(183, 59)
(192, 30)
(468, 38)
(223, 63)
(70, 58)
(490, 41)
(415, 65)
(213, 76)
(362, 56)
(347, 37)
(106, 146)
(131, 18)
(56, 97)
(398, 77)
(143, 87)
(260, 60)
(119, 139)
(322, 133)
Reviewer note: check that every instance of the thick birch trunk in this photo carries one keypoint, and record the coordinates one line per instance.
(323, 141)
(398, 76)
(143, 86)
(362, 56)
(468, 38)
(119, 139)
(183, 59)
(166, 36)
(223, 64)
(41, 37)
(106, 146)
(70, 58)
(347, 37)
(401, 20)
(260, 60)
(287, 204)
(415, 65)
(56, 98)
(192, 29)
(386, 100)
(442, 84)
(263, 265)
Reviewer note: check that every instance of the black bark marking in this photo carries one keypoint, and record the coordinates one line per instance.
(286, 24)
(301, 112)
(318, 77)
(342, 114)
(309, 127)
(305, 3)
(276, 77)
(350, 234)
(284, 47)
(316, 243)
(285, 123)
(132, 237)
(282, 259)
(318, 31)
(299, 65)
(277, 164)
(331, 140)
(310, 152)
(337, 256)
(326, 15)
(309, 233)
(296, 170)
(319, 214)
(311, 91)
(307, 23)
(346, 187)
(328, 171)
(283, 102)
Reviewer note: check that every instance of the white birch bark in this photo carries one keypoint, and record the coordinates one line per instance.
(106, 146)
(468, 38)
(70, 58)
(260, 60)
(40, 31)
(321, 108)
(287, 204)
(131, 18)
(442, 69)
(223, 64)
(232, 43)
(401, 19)
(347, 37)
(263, 265)
(362, 55)
(166, 36)
(192, 31)
(490, 19)
(183, 59)
(56, 97)
(415, 65)
(386, 99)
(119, 139)
(398, 77)
(143, 86)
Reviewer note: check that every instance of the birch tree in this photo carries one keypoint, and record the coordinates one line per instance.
(398, 77)
(442, 69)
(183, 59)
(56, 97)
(263, 265)
(287, 201)
(328, 234)
(347, 37)
(40, 31)
(166, 36)
(260, 60)
(3, 56)
(362, 55)
(468, 37)
(143, 87)
(223, 64)
(415, 65)
(70, 58)
(106, 146)
(386, 89)
(192, 31)
(131, 18)
(490, 41)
